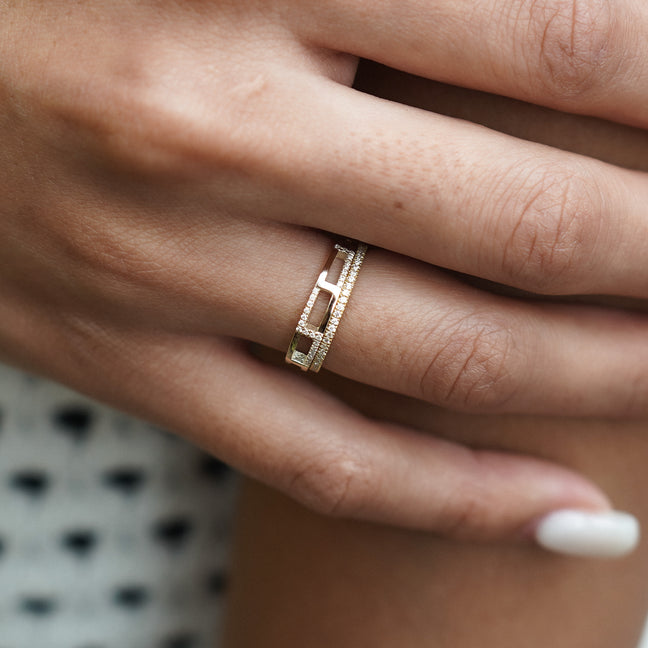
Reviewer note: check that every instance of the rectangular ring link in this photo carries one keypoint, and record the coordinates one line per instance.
(321, 335)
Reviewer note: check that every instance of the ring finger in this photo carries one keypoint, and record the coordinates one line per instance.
(416, 330)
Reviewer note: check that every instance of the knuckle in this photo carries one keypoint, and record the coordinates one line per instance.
(474, 365)
(463, 517)
(550, 229)
(164, 140)
(572, 45)
(115, 258)
(335, 483)
(89, 350)
(633, 402)
(136, 121)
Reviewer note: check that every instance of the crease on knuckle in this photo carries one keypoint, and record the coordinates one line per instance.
(463, 520)
(556, 221)
(336, 483)
(473, 368)
(634, 404)
(119, 258)
(574, 44)
(92, 350)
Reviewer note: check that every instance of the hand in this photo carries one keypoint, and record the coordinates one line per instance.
(169, 173)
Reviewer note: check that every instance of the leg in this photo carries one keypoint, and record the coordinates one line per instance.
(303, 580)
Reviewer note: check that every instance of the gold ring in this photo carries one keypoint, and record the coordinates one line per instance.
(311, 342)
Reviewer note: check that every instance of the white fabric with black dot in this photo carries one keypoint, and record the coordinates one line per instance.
(113, 534)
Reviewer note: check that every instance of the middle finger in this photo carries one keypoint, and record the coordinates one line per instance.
(463, 197)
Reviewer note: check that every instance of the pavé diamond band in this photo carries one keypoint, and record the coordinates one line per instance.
(312, 341)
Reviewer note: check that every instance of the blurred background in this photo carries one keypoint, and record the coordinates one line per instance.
(113, 534)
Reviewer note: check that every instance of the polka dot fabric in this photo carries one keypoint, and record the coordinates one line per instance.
(113, 534)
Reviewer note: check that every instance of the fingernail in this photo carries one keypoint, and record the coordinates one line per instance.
(608, 534)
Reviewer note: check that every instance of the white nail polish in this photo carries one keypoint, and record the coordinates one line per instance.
(607, 534)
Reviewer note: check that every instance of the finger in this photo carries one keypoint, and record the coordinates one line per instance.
(284, 431)
(430, 187)
(463, 197)
(614, 143)
(584, 56)
(416, 330)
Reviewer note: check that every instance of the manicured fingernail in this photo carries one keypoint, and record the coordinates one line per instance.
(608, 534)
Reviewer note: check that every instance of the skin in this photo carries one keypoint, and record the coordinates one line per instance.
(172, 172)
(170, 198)
(309, 580)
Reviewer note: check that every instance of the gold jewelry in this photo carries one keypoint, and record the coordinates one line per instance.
(320, 336)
